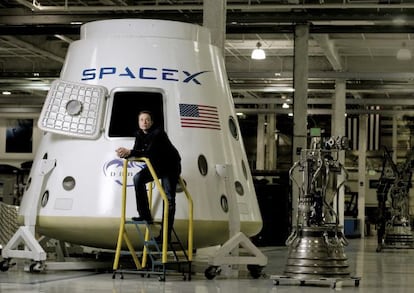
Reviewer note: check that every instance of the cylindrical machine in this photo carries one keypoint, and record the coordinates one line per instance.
(316, 244)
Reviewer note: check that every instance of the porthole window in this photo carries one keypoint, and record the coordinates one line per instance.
(244, 169)
(202, 165)
(239, 188)
(233, 128)
(45, 199)
(68, 183)
(224, 204)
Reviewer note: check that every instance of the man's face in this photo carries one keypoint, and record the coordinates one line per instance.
(144, 121)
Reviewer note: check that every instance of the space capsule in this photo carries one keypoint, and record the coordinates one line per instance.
(116, 69)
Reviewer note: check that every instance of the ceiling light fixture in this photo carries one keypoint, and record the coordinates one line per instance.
(258, 53)
(6, 93)
(404, 53)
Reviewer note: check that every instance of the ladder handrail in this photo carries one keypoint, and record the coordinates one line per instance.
(122, 232)
(190, 219)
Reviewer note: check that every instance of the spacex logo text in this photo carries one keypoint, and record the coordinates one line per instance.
(150, 73)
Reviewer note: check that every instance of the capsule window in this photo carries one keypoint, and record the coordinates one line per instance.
(233, 128)
(239, 188)
(202, 165)
(68, 183)
(224, 204)
(45, 199)
(244, 169)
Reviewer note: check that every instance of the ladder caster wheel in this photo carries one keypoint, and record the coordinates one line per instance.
(211, 272)
(5, 265)
(37, 267)
(255, 271)
(161, 279)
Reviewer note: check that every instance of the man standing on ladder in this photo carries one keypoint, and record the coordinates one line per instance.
(153, 143)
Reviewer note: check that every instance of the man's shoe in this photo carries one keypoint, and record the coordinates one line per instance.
(141, 219)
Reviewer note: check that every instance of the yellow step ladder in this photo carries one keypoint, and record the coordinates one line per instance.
(158, 253)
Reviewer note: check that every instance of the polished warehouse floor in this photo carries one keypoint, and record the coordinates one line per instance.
(391, 270)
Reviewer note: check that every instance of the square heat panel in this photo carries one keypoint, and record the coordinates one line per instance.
(73, 109)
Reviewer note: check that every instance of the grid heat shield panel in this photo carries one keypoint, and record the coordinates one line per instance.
(73, 109)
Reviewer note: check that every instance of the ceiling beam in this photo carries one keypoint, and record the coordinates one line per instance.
(240, 7)
(330, 51)
(33, 48)
(325, 101)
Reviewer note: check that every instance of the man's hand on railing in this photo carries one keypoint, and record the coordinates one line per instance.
(123, 152)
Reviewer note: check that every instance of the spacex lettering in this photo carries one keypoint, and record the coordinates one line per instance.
(154, 73)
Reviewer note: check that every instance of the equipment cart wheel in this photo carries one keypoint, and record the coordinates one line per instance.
(5, 265)
(211, 272)
(37, 267)
(255, 271)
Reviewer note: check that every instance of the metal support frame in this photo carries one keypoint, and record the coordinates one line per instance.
(228, 253)
(26, 234)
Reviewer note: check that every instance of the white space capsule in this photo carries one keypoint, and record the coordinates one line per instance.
(115, 70)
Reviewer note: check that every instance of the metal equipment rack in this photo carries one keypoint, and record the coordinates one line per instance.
(157, 252)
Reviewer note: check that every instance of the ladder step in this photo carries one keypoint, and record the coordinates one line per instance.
(152, 242)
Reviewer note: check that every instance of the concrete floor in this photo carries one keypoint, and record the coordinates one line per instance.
(391, 270)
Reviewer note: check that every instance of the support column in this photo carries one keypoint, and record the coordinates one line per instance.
(394, 138)
(260, 142)
(270, 141)
(338, 129)
(362, 156)
(300, 83)
(214, 18)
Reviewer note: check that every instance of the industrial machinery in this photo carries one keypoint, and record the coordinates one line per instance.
(316, 244)
(394, 228)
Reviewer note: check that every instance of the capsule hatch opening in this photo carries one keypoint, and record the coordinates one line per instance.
(125, 108)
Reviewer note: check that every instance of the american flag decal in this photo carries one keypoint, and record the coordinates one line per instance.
(199, 116)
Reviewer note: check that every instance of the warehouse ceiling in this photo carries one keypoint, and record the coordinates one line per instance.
(352, 40)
